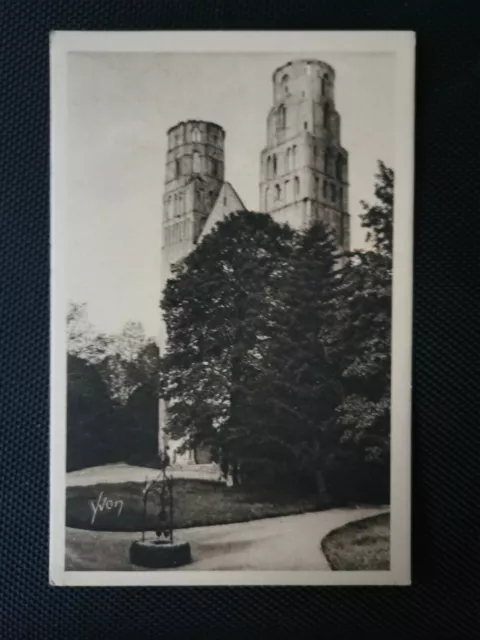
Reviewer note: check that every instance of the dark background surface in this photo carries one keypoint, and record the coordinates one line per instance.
(444, 599)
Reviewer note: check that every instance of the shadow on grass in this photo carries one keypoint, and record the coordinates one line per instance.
(196, 503)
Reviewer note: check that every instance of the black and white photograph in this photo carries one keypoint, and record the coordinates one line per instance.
(231, 293)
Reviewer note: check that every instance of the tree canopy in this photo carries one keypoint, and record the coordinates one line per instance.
(364, 416)
(278, 358)
(279, 347)
(218, 310)
(90, 416)
(112, 392)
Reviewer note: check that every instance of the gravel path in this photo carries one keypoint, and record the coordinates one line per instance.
(283, 543)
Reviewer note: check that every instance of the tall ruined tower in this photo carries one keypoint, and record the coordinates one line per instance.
(304, 168)
(193, 179)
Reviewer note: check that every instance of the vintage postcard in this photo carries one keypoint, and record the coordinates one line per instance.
(231, 271)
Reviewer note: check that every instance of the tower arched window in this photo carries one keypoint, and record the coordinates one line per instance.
(175, 206)
(339, 167)
(328, 162)
(327, 110)
(214, 168)
(274, 165)
(286, 191)
(269, 168)
(317, 193)
(296, 183)
(294, 156)
(333, 192)
(199, 203)
(324, 84)
(169, 207)
(324, 189)
(340, 198)
(304, 211)
(267, 199)
(287, 160)
(281, 117)
(180, 204)
(196, 135)
(178, 169)
(196, 162)
(278, 192)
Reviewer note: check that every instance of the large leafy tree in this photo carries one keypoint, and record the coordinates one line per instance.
(364, 415)
(140, 423)
(131, 361)
(83, 340)
(218, 310)
(125, 360)
(377, 217)
(120, 376)
(90, 416)
(300, 385)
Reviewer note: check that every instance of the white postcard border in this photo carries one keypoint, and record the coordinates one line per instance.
(402, 45)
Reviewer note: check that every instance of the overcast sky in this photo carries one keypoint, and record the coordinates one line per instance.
(119, 108)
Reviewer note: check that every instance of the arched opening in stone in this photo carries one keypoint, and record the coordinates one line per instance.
(297, 187)
(326, 115)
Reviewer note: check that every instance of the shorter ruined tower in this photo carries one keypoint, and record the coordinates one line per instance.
(304, 168)
(193, 179)
(194, 176)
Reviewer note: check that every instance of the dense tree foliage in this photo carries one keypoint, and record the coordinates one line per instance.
(90, 416)
(298, 390)
(364, 416)
(83, 340)
(130, 361)
(218, 311)
(140, 420)
(279, 355)
(377, 218)
(279, 351)
(112, 395)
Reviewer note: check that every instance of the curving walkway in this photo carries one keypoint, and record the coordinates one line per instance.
(283, 543)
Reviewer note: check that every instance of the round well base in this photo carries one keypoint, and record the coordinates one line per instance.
(158, 554)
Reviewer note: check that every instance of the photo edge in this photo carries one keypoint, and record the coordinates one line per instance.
(58, 576)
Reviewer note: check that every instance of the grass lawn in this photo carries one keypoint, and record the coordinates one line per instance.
(360, 546)
(196, 503)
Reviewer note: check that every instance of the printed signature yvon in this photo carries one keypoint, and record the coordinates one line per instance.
(102, 504)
